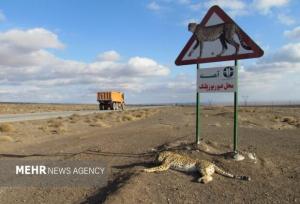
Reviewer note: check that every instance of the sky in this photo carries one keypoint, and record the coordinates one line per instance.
(62, 51)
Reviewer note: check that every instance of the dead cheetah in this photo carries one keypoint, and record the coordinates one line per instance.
(172, 160)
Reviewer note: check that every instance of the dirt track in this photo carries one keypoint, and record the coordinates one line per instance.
(126, 146)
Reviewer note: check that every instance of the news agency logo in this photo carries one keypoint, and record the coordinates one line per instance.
(53, 173)
(45, 170)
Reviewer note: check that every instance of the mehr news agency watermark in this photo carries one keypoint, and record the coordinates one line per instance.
(42, 169)
(52, 173)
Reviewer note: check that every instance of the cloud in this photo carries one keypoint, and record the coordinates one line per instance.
(154, 6)
(289, 53)
(111, 55)
(184, 1)
(28, 47)
(34, 71)
(285, 19)
(31, 39)
(2, 16)
(293, 34)
(270, 81)
(271, 77)
(195, 6)
(134, 67)
(234, 7)
(266, 5)
(146, 67)
(227, 4)
(266, 73)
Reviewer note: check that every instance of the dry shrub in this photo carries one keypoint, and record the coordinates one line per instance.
(88, 120)
(281, 127)
(127, 117)
(6, 139)
(119, 119)
(60, 130)
(75, 115)
(95, 119)
(6, 127)
(100, 124)
(57, 127)
(289, 119)
(74, 118)
(55, 123)
(148, 112)
(44, 128)
(110, 114)
(275, 118)
(243, 119)
(249, 110)
(139, 115)
(99, 116)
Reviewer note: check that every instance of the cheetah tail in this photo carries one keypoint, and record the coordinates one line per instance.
(243, 44)
(227, 174)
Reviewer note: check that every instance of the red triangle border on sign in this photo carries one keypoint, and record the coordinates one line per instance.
(257, 51)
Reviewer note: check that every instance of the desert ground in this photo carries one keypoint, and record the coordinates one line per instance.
(128, 142)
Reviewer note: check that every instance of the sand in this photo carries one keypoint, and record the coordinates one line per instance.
(127, 141)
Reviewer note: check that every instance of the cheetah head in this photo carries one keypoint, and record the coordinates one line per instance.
(162, 156)
(192, 27)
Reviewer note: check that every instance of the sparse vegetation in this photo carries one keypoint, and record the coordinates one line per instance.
(99, 116)
(135, 115)
(88, 120)
(56, 126)
(139, 115)
(44, 128)
(6, 127)
(289, 119)
(6, 139)
(74, 118)
(29, 108)
(100, 124)
(127, 117)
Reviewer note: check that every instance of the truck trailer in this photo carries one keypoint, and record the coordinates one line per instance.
(111, 100)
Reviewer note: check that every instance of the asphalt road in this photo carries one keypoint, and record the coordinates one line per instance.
(48, 115)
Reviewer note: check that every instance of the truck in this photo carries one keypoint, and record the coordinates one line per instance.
(111, 100)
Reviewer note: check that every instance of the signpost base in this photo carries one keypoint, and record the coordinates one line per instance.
(238, 157)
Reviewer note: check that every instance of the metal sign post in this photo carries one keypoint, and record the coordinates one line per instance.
(197, 114)
(235, 125)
